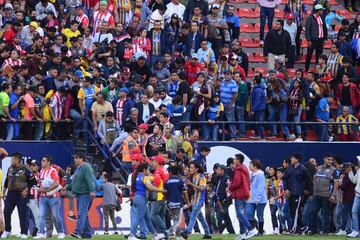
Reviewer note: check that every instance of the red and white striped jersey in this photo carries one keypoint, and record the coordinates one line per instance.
(34, 190)
(12, 62)
(57, 105)
(45, 176)
(119, 111)
(99, 18)
(83, 19)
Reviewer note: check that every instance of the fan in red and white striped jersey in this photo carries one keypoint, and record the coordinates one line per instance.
(102, 16)
(13, 60)
(47, 176)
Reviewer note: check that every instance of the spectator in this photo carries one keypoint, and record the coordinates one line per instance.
(205, 54)
(291, 28)
(322, 115)
(258, 106)
(345, 132)
(347, 94)
(354, 178)
(277, 43)
(233, 21)
(266, 10)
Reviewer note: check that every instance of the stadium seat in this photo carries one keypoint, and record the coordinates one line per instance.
(247, 28)
(284, 2)
(259, 57)
(246, 13)
(256, 42)
(304, 43)
(263, 71)
(247, 42)
(337, 27)
(279, 13)
(257, 13)
(251, 57)
(291, 72)
(308, 2)
(302, 59)
(328, 44)
(252, 1)
(345, 13)
(257, 27)
(250, 73)
(333, 3)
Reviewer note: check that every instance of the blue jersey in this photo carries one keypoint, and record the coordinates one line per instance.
(140, 184)
(14, 112)
(173, 87)
(89, 94)
(175, 188)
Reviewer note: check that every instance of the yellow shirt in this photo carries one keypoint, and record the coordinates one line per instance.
(69, 34)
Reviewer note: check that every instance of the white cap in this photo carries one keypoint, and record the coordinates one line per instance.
(216, 6)
(8, 5)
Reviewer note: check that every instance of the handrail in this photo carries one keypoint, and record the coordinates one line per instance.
(268, 123)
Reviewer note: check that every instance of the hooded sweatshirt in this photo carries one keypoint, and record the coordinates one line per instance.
(257, 187)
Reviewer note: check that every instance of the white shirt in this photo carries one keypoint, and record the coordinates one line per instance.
(99, 37)
(156, 16)
(156, 104)
(172, 8)
(292, 30)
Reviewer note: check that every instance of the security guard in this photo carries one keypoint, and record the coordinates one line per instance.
(19, 180)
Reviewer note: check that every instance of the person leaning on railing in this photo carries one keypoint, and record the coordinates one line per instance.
(346, 131)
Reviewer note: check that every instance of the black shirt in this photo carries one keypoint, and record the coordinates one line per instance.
(345, 96)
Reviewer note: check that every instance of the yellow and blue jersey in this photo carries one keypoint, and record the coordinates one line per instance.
(199, 196)
(345, 128)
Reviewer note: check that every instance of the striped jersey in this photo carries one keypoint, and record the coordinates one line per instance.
(334, 63)
(199, 196)
(345, 128)
(47, 177)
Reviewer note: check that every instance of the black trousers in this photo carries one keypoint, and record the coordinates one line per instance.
(28, 129)
(316, 46)
(297, 40)
(295, 205)
(352, 3)
(12, 200)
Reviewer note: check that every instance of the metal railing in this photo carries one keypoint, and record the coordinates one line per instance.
(223, 125)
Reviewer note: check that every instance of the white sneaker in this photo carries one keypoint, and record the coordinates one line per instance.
(341, 233)
(40, 236)
(298, 139)
(241, 237)
(5, 234)
(159, 236)
(23, 236)
(261, 43)
(61, 235)
(276, 231)
(353, 234)
(251, 233)
(132, 237)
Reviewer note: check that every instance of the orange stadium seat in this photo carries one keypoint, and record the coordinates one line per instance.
(246, 13)
(345, 13)
(263, 71)
(250, 73)
(247, 28)
(252, 1)
(257, 12)
(247, 42)
(304, 43)
(259, 57)
(328, 44)
(256, 42)
(279, 13)
(291, 72)
(251, 57)
(308, 2)
(257, 27)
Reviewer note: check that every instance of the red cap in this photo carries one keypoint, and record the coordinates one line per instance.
(281, 76)
(143, 126)
(126, 70)
(159, 159)
(290, 16)
(135, 151)
(136, 157)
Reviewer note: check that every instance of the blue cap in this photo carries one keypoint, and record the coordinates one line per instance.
(79, 6)
(79, 74)
(124, 89)
(65, 11)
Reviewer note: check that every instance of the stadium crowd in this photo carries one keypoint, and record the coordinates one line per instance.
(66, 61)
(305, 198)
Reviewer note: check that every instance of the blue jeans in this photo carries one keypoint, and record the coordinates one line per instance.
(38, 130)
(297, 118)
(259, 128)
(284, 213)
(344, 215)
(210, 132)
(250, 209)
(83, 227)
(46, 203)
(197, 214)
(272, 118)
(306, 212)
(128, 167)
(320, 203)
(240, 113)
(283, 118)
(355, 213)
(158, 209)
(269, 13)
(12, 132)
(243, 220)
(142, 213)
(143, 227)
(274, 218)
(230, 116)
(322, 132)
(186, 115)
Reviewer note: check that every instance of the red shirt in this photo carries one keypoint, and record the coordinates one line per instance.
(46, 174)
(191, 71)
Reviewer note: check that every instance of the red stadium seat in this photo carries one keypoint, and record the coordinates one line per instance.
(302, 59)
(279, 13)
(252, 1)
(291, 72)
(263, 71)
(304, 43)
(257, 13)
(247, 42)
(333, 3)
(250, 73)
(256, 42)
(345, 13)
(308, 2)
(247, 28)
(337, 27)
(246, 13)
(257, 27)
(259, 57)
(328, 44)
(251, 57)
(284, 2)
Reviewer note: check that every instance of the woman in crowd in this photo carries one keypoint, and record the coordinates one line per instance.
(295, 107)
(214, 113)
(272, 193)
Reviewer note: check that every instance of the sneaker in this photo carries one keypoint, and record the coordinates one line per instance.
(276, 231)
(261, 43)
(106, 233)
(116, 233)
(159, 236)
(132, 237)
(72, 218)
(207, 237)
(5, 234)
(251, 233)
(61, 235)
(40, 236)
(241, 237)
(75, 235)
(353, 234)
(23, 236)
(341, 233)
(184, 235)
(34, 231)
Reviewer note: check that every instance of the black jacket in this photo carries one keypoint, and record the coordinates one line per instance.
(312, 29)
(204, 6)
(276, 43)
(140, 107)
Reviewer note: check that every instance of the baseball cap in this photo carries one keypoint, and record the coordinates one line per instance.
(30, 161)
(8, 6)
(136, 157)
(159, 159)
(34, 24)
(143, 126)
(126, 70)
(216, 6)
(289, 16)
(215, 94)
(194, 55)
(318, 7)
(79, 6)
(124, 89)
(78, 73)
(103, 2)
(65, 11)
(281, 76)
